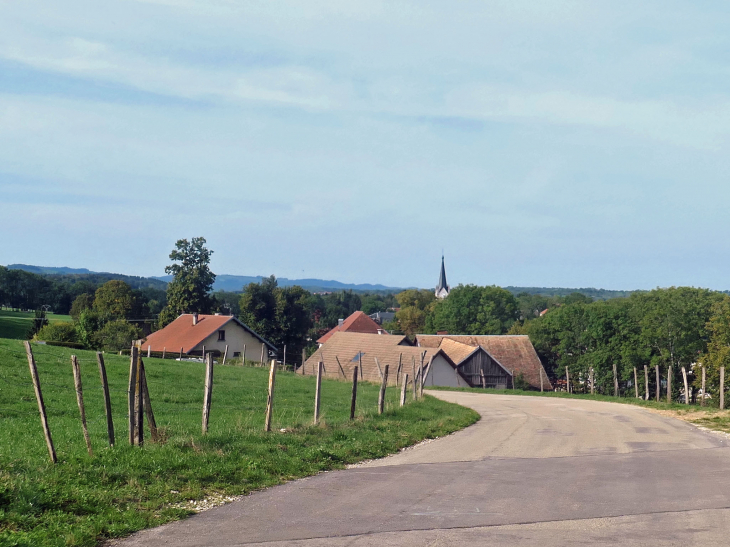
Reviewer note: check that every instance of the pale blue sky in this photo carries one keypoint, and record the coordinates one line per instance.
(550, 143)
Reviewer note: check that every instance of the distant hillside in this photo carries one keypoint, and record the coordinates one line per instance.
(596, 294)
(75, 275)
(224, 282)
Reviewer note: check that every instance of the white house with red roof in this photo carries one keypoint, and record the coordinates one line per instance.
(191, 331)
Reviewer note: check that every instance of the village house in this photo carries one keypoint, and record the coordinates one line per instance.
(371, 352)
(357, 322)
(191, 332)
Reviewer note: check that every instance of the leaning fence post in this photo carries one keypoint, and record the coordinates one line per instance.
(636, 383)
(686, 387)
(270, 399)
(658, 382)
(320, 364)
(403, 389)
(702, 401)
(722, 388)
(80, 402)
(646, 382)
(134, 356)
(380, 371)
(139, 406)
(225, 355)
(39, 398)
(669, 384)
(261, 361)
(354, 393)
(304, 358)
(207, 394)
(400, 365)
(147, 403)
(107, 399)
(383, 386)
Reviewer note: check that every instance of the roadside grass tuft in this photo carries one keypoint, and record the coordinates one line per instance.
(83, 500)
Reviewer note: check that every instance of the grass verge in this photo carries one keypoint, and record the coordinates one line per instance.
(83, 500)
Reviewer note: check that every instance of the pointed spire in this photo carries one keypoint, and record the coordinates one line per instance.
(442, 289)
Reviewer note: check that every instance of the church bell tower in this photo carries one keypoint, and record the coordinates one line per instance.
(442, 289)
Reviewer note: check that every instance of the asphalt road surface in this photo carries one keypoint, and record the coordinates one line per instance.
(532, 472)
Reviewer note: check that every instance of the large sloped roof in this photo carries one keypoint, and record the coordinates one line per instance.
(360, 349)
(513, 352)
(181, 333)
(357, 322)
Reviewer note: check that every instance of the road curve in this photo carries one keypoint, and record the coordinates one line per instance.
(533, 471)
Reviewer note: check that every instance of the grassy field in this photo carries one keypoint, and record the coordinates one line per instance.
(82, 500)
(15, 324)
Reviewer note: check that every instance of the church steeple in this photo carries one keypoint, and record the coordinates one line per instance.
(442, 289)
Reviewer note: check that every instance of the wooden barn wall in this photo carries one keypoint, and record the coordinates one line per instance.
(494, 375)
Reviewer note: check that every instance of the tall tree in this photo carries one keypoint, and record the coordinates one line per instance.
(113, 300)
(474, 310)
(189, 290)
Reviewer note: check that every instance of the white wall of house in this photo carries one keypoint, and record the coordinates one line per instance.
(442, 373)
(236, 337)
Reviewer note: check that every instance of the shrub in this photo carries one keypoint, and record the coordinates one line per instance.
(58, 332)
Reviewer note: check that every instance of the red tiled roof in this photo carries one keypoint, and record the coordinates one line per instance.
(357, 322)
(181, 333)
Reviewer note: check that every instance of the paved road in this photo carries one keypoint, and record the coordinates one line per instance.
(532, 472)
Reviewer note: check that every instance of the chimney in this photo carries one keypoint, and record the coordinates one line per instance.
(340, 322)
(195, 318)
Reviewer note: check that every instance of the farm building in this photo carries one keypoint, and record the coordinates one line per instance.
(497, 356)
(192, 331)
(357, 322)
(371, 352)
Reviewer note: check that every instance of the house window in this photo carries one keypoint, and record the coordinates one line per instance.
(221, 336)
(236, 354)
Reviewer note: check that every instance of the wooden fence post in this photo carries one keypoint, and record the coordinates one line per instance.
(80, 402)
(381, 394)
(354, 393)
(149, 351)
(380, 370)
(669, 384)
(139, 406)
(181, 352)
(636, 383)
(686, 387)
(403, 389)
(225, 355)
(593, 381)
(261, 362)
(304, 358)
(704, 377)
(107, 399)
(283, 362)
(164, 352)
(646, 382)
(270, 399)
(540, 372)
(658, 382)
(147, 403)
(317, 393)
(397, 372)
(204, 354)
(208, 393)
(134, 357)
(567, 380)
(243, 356)
(415, 388)
(722, 388)
(484, 380)
(513, 379)
(424, 373)
(615, 381)
(39, 399)
(341, 369)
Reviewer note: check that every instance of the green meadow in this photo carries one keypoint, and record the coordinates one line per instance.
(84, 499)
(15, 324)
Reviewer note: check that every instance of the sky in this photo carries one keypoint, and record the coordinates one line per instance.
(551, 143)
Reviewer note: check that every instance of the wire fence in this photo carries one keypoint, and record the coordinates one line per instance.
(239, 401)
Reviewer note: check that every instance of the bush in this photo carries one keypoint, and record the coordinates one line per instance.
(58, 332)
(117, 335)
